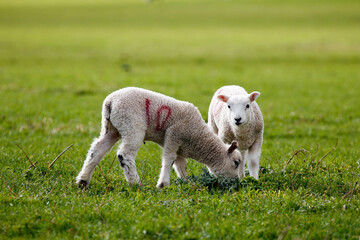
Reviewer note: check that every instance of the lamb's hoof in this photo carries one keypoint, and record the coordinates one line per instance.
(133, 181)
(133, 184)
(82, 184)
(162, 185)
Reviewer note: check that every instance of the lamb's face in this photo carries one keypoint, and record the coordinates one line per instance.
(233, 162)
(239, 107)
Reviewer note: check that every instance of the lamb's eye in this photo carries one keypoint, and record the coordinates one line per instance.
(228, 106)
(247, 106)
(236, 162)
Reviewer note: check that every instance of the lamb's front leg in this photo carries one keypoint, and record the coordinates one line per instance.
(167, 161)
(254, 158)
(172, 144)
(242, 164)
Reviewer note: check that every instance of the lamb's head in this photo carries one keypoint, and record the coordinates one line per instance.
(232, 162)
(239, 107)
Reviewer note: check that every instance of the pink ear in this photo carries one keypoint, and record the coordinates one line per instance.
(232, 147)
(253, 96)
(223, 98)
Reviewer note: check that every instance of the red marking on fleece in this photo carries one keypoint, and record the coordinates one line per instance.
(218, 104)
(147, 108)
(217, 107)
(162, 108)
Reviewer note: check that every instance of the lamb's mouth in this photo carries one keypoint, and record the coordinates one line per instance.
(238, 123)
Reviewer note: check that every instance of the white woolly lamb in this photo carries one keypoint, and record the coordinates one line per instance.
(135, 115)
(234, 115)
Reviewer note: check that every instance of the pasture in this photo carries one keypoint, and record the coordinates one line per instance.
(60, 59)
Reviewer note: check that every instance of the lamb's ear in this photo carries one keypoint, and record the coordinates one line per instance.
(223, 98)
(232, 147)
(253, 96)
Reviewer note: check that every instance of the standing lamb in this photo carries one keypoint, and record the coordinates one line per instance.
(234, 115)
(135, 115)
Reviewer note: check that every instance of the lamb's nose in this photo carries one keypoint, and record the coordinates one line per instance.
(237, 121)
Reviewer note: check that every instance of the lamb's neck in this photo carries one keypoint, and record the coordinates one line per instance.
(208, 148)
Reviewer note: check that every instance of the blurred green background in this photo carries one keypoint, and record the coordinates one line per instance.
(59, 59)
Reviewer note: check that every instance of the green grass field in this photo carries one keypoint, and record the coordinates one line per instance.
(60, 59)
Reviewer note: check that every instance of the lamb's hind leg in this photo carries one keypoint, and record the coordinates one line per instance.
(126, 155)
(97, 151)
(254, 158)
(180, 167)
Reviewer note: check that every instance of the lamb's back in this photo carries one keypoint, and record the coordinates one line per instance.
(151, 110)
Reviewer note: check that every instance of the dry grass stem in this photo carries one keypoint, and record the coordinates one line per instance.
(143, 174)
(351, 192)
(284, 233)
(27, 156)
(296, 153)
(10, 189)
(59, 155)
(101, 204)
(102, 199)
(292, 183)
(52, 189)
(314, 156)
(262, 175)
(112, 163)
(33, 165)
(104, 175)
(317, 164)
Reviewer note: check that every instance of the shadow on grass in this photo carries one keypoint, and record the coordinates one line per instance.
(318, 183)
(304, 171)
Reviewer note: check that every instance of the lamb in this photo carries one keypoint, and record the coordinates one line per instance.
(136, 115)
(234, 115)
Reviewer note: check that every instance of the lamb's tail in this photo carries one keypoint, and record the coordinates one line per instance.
(106, 110)
(106, 124)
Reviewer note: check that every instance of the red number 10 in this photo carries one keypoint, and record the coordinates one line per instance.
(159, 125)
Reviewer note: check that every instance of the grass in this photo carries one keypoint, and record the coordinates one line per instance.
(59, 60)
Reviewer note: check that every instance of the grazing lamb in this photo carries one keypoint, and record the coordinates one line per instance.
(234, 115)
(135, 115)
